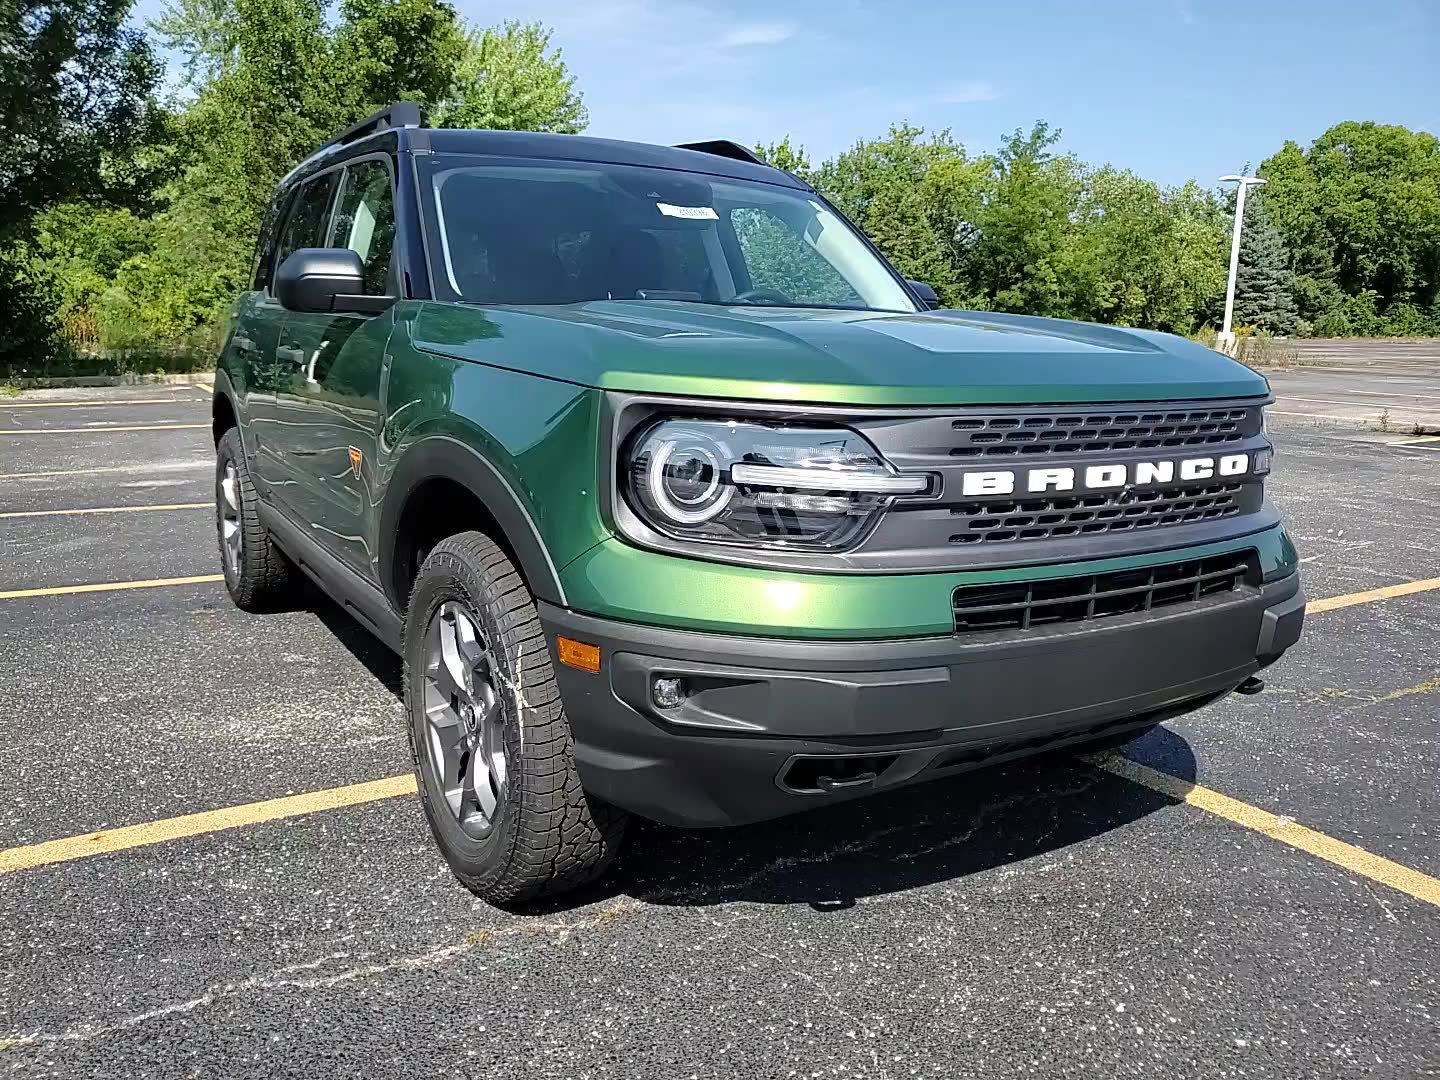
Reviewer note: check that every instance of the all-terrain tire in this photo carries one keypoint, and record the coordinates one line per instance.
(548, 836)
(262, 578)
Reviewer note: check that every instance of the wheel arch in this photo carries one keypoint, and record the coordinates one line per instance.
(413, 516)
(223, 412)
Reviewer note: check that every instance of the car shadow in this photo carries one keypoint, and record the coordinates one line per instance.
(945, 830)
(374, 655)
(832, 857)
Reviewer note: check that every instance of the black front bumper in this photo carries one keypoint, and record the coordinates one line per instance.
(771, 726)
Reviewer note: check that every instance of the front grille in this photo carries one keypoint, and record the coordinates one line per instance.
(1040, 519)
(1090, 432)
(1022, 605)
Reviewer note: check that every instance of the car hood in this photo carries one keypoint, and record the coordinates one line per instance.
(832, 357)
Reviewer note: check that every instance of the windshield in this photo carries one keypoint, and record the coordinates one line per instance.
(542, 232)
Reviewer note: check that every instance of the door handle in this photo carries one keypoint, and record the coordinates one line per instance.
(242, 344)
(293, 356)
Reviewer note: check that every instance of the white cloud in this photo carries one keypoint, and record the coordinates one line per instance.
(965, 93)
(759, 33)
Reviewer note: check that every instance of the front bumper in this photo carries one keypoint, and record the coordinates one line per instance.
(774, 726)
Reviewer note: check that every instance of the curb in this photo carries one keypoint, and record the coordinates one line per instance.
(60, 381)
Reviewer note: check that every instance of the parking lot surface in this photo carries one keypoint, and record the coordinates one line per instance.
(1047, 919)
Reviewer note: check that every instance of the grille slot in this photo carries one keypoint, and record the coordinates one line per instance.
(1073, 433)
(1026, 604)
(1040, 519)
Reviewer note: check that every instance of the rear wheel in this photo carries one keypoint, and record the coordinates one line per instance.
(257, 574)
(492, 746)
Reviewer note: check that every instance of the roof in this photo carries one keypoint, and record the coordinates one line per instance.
(533, 144)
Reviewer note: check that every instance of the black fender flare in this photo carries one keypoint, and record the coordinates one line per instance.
(447, 457)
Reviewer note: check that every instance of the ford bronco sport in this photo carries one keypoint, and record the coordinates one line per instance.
(677, 500)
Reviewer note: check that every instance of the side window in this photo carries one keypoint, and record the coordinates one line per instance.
(779, 258)
(365, 221)
(309, 214)
(265, 248)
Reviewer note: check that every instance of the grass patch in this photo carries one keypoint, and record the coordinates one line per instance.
(10, 390)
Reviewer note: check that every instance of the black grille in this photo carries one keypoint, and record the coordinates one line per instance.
(1087, 432)
(1040, 519)
(1024, 604)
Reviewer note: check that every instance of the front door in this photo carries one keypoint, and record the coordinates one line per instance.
(328, 439)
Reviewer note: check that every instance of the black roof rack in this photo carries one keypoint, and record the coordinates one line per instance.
(723, 148)
(403, 114)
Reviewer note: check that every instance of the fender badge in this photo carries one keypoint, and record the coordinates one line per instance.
(355, 459)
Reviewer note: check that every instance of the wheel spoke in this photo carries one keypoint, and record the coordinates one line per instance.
(228, 489)
(447, 748)
(458, 648)
(483, 783)
(440, 677)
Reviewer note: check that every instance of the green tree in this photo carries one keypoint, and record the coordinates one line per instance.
(782, 155)
(911, 195)
(508, 78)
(75, 88)
(75, 101)
(205, 33)
(1359, 210)
(1264, 284)
(394, 50)
(1142, 255)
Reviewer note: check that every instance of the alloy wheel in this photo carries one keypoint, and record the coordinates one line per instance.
(232, 536)
(464, 730)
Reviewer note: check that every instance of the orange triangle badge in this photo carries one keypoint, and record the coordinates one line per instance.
(355, 458)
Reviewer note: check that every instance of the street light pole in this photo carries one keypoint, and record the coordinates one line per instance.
(1225, 340)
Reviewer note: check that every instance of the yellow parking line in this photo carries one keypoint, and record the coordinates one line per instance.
(209, 388)
(110, 586)
(104, 510)
(99, 428)
(208, 821)
(1369, 596)
(1355, 859)
(92, 404)
(1418, 441)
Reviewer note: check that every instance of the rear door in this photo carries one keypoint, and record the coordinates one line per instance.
(333, 403)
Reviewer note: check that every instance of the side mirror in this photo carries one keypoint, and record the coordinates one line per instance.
(326, 280)
(919, 288)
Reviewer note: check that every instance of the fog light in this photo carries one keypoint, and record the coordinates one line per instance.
(668, 693)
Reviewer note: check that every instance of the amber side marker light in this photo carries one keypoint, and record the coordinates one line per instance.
(577, 654)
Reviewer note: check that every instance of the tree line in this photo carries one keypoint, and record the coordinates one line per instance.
(133, 199)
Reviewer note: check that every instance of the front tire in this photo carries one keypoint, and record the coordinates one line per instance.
(493, 750)
(257, 575)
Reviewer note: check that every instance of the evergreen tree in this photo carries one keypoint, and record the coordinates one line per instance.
(1265, 284)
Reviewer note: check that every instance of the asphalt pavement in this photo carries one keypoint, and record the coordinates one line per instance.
(1048, 919)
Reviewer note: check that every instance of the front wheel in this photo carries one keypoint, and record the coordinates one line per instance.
(492, 747)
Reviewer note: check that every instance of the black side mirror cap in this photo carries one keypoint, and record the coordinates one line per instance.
(926, 294)
(326, 280)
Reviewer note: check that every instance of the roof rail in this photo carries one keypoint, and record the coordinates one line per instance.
(723, 148)
(402, 114)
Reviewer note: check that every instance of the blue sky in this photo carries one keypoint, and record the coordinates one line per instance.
(1172, 89)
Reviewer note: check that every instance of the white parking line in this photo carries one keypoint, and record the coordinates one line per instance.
(118, 402)
(105, 510)
(171, 466)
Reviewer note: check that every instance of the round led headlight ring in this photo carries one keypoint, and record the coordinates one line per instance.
(684, 478)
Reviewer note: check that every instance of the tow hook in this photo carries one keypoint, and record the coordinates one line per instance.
(1251, 686)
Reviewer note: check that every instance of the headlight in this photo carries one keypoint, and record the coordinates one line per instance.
(748, 483)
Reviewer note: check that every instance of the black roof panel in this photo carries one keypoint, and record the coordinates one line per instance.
(531, 144)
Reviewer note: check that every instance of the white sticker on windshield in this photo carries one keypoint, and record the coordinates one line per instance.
(690, 213)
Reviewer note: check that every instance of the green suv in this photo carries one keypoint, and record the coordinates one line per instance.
(677, 500)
